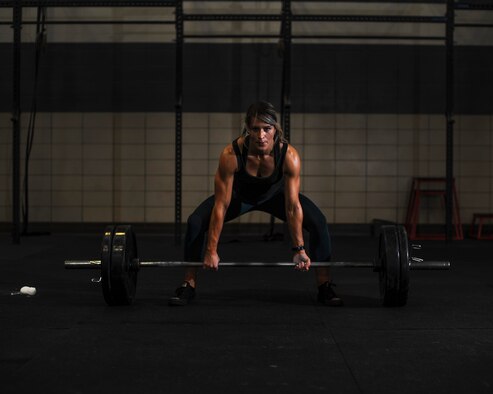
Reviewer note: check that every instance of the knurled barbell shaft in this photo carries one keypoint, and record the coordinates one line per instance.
(424, 265)
(159, 264)
(94, 264)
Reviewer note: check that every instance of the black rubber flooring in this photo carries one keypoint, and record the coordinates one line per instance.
(249, 330)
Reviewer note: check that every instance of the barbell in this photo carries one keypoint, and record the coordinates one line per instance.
(119, 265)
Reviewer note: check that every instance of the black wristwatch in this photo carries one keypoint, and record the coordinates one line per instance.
(298, 248)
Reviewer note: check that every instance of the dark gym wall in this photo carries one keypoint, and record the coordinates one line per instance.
(226, 77)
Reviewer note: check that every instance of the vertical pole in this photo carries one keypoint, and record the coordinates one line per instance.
(16, 127)
(286, 68)
(178, 117)
(449, 109)
(286, 82)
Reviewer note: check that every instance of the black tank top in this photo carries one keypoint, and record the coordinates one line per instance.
(253, 189)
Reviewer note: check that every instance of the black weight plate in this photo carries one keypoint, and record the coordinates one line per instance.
(106, 247)
(390, 266)
(123, 274)
(404, 266)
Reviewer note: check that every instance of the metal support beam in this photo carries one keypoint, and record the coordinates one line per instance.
(285, 50)
(286, 68)
(449, 114)
(315, 18)
(89, 3)
(178, 117)
(16, 115)
(486, 6)
(97, 22)
(321, 36)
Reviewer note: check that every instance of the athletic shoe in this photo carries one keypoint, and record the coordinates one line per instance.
(327, 296)
(184, 294)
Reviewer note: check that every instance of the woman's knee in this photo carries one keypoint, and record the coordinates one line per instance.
(316, 224)
(194, 221)
(196, 225)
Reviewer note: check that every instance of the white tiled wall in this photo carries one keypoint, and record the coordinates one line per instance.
(105, 167)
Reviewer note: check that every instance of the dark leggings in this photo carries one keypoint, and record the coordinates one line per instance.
(314, 223)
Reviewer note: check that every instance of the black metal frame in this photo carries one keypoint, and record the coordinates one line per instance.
(178, 118)
(286, 68)
(286, 19)
(449, 115)
(88, 3)
(98, 22)
(16, 125)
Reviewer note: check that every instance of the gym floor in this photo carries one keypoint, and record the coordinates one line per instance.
(249, 330)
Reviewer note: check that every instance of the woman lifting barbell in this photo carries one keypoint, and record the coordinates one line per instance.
(259, 171)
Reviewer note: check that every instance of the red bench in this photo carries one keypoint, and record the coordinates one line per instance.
(479, 218)
(431, 187)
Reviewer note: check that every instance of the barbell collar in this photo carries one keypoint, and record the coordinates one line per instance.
(82, 264)
(429, 265)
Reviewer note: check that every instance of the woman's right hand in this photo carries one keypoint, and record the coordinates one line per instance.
(211, 261)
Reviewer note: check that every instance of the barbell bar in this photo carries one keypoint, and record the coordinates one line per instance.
(119, 265)
(413, 265)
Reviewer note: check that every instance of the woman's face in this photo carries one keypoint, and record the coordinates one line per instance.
(261, 137)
